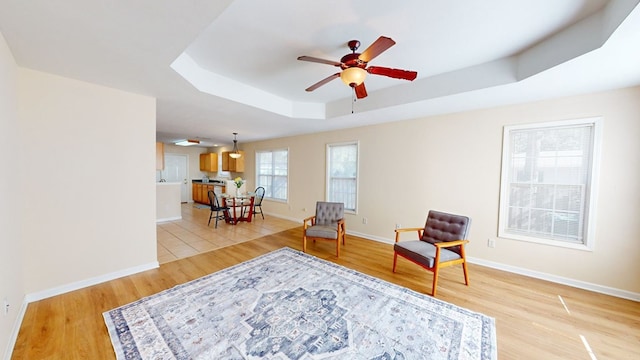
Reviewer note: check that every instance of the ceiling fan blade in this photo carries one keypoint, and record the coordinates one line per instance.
(322, 82)
(393, 73)
(318, 60)
(378, 47)
(361, 91)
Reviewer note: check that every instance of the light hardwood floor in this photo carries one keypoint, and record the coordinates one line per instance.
(191, 235)
(535, 319)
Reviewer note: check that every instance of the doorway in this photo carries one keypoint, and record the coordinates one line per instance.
(175, 170)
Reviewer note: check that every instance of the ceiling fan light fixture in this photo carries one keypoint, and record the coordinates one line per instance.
(235, 153)
(353, 76)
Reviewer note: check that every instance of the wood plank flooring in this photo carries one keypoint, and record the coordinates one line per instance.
(535, 319)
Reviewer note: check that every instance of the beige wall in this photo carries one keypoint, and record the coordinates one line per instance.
(11, 238)
(89, 203)
(452, 163)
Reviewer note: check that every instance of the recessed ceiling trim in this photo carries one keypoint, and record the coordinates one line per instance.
(579, 39)
(221, 86)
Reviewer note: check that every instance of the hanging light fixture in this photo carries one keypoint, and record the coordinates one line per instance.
(235, 153)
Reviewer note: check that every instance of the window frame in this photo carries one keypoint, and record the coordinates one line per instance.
(258, 174)
(328, 178)
(591, 187)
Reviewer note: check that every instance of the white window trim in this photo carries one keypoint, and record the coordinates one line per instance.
(328, 176)
(257, 174)
(590, 210)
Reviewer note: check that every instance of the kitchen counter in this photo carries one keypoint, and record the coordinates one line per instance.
(211, 182)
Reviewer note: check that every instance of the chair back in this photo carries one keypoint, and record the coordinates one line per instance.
(328, 213)
(213, 200)
(442, 227)
(259, 196)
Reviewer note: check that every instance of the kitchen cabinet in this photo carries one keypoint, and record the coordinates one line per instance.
(209, 162)
(231, 164)
(200, 192)
(159, 156)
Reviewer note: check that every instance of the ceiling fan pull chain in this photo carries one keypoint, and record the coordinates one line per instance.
(353, 97)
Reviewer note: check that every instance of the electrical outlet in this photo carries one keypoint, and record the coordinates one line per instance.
(398, 226)
(6, 306)
(364, 220)
(491, 243)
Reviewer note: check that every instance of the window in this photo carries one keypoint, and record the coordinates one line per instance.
(547, 192)
(272, 170)
(342, 174)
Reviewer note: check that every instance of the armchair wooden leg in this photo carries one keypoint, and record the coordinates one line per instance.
(466, 274)
(304, 244)
(435, 282)
(337, 247)
(395, 260)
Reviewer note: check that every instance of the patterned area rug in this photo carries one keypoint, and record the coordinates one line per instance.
(290, 305)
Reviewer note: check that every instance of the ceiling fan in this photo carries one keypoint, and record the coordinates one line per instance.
(354, 66)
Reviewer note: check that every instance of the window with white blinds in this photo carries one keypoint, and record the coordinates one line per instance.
(548, 185)
(342, 174)
(272, 173)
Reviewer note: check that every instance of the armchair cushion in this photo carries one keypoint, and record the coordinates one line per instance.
(323, 231)
(423, 252)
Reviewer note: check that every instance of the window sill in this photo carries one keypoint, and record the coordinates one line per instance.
(548, 242)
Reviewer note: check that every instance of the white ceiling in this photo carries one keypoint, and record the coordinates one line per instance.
(218, 67)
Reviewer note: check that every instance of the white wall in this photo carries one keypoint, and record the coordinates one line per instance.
(88, 210)
(452, 163)
(11, 238)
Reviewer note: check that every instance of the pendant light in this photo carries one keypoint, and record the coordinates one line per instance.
(235, 153)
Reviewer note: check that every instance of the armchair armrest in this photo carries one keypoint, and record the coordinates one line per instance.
(409, 229)
(450, 243)
(311, 220)
(418, 229)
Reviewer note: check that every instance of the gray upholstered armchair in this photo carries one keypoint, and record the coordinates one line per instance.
(440, 244)
(326, 224)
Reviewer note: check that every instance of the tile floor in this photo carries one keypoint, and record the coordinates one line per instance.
(191, 235)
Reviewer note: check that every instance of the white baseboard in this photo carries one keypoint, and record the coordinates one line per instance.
(284, 217)
(531, 273)
(370, 237)
(168, 219)
(13, 337)
(29, 298)
(558, 279)
(89, 282)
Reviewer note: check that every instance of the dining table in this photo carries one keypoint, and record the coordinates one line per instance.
(240, 207)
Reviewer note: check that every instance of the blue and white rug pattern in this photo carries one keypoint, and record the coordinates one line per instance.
(290, 305)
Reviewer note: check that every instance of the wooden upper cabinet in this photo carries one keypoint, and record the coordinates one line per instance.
(159, 156)
(231, 164)
(209, 162)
